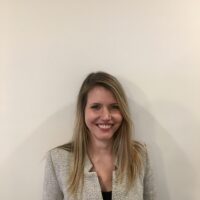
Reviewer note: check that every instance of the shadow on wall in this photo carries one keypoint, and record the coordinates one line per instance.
(22, 173)
(173, 173)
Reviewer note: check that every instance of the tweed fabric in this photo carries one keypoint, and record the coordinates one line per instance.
(57, 169)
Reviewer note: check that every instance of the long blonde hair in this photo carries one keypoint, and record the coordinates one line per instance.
(128, 152)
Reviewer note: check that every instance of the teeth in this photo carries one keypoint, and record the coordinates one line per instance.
(104, 126)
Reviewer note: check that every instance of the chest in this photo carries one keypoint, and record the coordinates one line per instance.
(104, 172)
(92, 189)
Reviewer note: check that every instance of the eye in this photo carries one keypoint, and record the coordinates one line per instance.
(115, 106)
(96, 106)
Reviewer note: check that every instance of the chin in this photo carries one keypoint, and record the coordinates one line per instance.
(105, 137)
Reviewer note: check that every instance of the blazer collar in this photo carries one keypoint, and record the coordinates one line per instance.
(89, 165)
(92, 189)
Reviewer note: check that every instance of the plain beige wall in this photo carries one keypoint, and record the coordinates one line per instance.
(48, 47)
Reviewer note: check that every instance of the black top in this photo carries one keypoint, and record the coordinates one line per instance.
(107, 195)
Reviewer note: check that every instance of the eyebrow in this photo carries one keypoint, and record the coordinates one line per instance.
(93, 103)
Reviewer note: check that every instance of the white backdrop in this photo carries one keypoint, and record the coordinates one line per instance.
(48, 47)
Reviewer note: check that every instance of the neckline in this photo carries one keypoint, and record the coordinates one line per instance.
(88, 165)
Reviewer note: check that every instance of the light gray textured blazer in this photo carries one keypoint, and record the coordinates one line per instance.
(57, 171)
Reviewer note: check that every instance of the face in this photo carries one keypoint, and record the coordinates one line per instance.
(102, 114)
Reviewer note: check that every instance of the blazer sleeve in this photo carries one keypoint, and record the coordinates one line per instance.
(51, 189)
(149, 189)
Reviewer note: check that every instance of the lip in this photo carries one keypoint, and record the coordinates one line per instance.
(104, 126)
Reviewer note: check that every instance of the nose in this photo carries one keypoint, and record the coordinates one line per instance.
(106, 115)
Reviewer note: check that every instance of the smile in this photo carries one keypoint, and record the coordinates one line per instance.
(104, 126)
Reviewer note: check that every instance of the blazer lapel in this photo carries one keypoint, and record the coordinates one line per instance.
(118, 189)
(91, 188)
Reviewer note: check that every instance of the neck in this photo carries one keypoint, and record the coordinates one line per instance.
(100, 148)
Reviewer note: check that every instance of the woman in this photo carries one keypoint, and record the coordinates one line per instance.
(102, 161)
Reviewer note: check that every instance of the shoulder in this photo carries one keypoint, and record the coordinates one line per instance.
(59, 157)
(139, 148)
(57, 153)
(138, 145)
(141, 151)
(57, 170)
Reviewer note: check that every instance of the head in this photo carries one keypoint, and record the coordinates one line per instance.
(111, 84)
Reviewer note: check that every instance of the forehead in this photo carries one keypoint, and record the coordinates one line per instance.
(100, 94)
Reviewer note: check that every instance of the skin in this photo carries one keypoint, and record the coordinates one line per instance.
(103, 118)
(102, 114)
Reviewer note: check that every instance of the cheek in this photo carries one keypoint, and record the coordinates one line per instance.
(89, 117)
(118, 117)
(86, 118)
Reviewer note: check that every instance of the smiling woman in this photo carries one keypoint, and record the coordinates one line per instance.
(102, 161)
